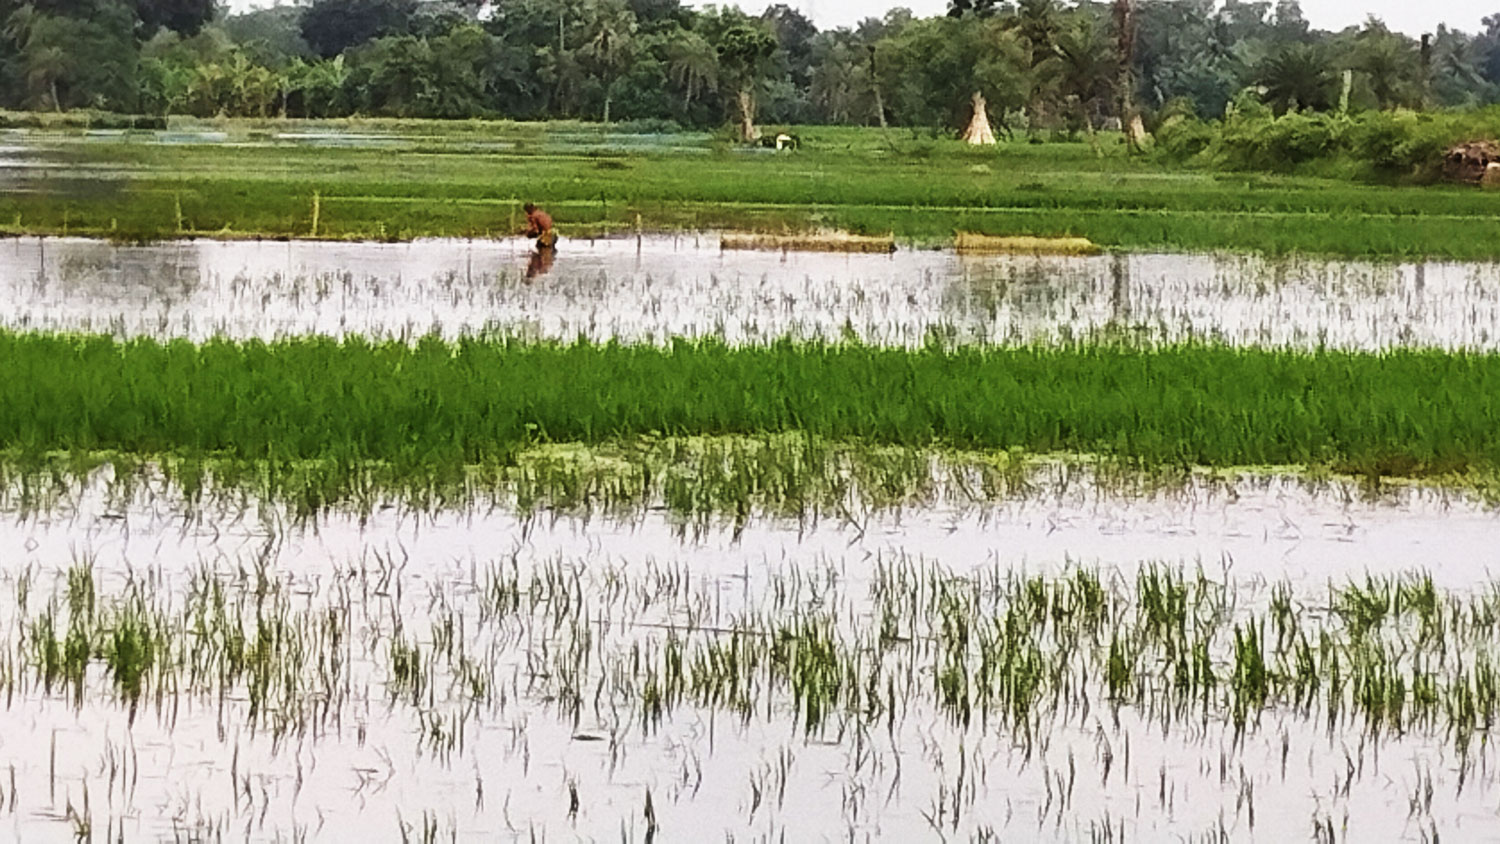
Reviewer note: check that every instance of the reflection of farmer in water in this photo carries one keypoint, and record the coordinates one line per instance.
(539, 226)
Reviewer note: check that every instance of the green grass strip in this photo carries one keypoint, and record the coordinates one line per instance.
(857, 180)
(1406, 412)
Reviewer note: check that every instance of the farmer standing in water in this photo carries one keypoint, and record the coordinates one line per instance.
(539, 226)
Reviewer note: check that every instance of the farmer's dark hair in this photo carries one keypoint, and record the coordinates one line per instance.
(529, 207)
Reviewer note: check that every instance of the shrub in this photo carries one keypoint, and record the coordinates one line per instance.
(1182, 138)
(1283, 142)
(648, 126)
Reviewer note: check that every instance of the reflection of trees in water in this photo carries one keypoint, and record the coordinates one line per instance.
(1119, 289)
(107, 272)
(1260, 276)
(1020, 289)
(1060, 297)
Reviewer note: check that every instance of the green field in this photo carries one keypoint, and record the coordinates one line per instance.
(468, 179)
(436, 404)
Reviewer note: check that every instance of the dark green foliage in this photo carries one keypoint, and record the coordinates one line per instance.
(1372, 143)
(182, 16)
(1296, 77)
(1282, 143)
(1185, 137)
(1049, 65)
(332, 26)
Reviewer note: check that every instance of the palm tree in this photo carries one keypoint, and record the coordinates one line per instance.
(568, 76)
(611, 31)
(44, 56)
(1387, 62)
(1457, 77)
(1038, 24)
(1083, 65)
(694, 65)
(45, 64)
(1294, 77)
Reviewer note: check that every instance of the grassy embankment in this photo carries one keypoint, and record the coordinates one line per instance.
(468, 179)
(276, 412)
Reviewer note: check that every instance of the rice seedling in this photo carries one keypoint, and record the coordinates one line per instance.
(992, 654)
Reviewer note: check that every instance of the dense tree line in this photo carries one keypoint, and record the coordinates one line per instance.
(1038, 64)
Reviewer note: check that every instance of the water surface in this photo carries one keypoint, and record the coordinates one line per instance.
(648, 289)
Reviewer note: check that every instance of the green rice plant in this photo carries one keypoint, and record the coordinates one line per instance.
(408, 679)
(1365, 608)
(318, 421)
(988, 650)
(81, 592)
(1251, 681)
(130, 650)
(46, 651)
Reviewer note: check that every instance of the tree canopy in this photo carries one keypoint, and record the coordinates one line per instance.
(1039, 65)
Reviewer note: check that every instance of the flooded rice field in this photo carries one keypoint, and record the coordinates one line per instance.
(43, 143)
(1262, 659)
(658, 287)
(919, 654)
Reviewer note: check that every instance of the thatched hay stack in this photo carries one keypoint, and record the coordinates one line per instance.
(1491, 179)
(969, 243)
(979, 132)
(1468, 162)
(810, 242)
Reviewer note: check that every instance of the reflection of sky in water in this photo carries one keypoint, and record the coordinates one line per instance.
(353, 776)
(685, 286)
(191, 763)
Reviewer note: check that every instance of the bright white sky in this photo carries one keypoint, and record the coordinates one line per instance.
(1406, 16)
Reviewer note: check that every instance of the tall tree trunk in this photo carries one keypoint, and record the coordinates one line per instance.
(607, 100)
(880, 107)
(1130, 120)
(748, 132)
(1426, 92)
(979, 132)
(1088, 129)
(56, 101)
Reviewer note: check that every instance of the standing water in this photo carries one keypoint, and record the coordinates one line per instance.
(654, 288)
(1260, 657)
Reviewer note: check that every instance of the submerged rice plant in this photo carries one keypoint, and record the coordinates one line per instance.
(993, 649)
